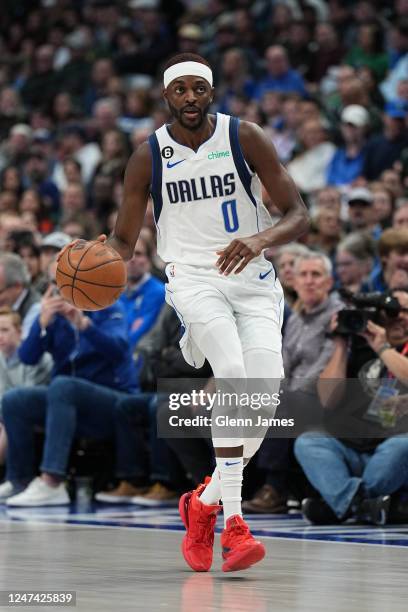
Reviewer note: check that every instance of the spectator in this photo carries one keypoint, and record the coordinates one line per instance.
(328, 231)
(285, 260)
(36, 177)
(50, 246)
(73, 144)
(281, 77)
(144, 296)
(15, 290)
(42, 84)
(354, 260)
(330, 198)
(400, 217)
(30, 253)
(361, 212)
(383, 150)
(330, 50)
(306, 351)
(235, 79)
(14, 151)
(369, 50)
(383, 205)
(309, 168)
(393, 254)
(348, 161)
(93, 372)
(13, 372)
(101, 73)
(355, 477)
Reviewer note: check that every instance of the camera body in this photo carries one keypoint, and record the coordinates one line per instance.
(367, 307)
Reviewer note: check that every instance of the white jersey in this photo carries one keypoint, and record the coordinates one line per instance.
(204, 199)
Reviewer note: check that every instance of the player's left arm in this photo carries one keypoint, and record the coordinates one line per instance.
(261, 157)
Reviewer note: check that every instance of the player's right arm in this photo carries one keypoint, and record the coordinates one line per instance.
(138, 177)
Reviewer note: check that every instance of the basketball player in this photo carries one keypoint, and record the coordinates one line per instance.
(204, 173)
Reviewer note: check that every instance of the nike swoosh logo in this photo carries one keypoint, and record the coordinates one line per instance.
(265, 274)
(170, 165)
(227, 463)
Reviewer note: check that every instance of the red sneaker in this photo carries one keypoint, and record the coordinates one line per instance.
(239, 548)
(199, 520)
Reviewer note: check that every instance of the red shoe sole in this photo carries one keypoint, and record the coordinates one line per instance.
(242, 559)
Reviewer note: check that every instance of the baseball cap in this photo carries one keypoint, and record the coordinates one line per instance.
(56, 240)
(360, 195)
(151, 5)
(356, 115)
(21, 129)
(397, 109)
(190, 31)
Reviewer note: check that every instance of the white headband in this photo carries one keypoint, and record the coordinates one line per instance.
(187, 68)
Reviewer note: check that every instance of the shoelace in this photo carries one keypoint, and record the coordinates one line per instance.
(239, 532)
(205, 529)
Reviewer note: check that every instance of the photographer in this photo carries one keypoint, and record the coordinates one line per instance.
(356, 476)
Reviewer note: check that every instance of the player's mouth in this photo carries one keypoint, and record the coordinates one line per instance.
(191, 113)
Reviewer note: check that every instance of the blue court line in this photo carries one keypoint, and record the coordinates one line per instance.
(348, 536)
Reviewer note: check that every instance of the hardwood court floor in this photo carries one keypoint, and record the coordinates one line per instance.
(115, 564)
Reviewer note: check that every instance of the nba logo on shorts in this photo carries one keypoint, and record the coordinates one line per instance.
(172, 272)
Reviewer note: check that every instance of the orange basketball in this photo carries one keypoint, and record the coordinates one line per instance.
(91, 275)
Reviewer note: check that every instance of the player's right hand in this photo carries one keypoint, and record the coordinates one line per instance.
(100, 238)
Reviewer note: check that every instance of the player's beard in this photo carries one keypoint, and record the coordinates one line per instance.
(178, 115)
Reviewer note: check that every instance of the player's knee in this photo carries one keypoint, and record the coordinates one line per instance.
(233, 369)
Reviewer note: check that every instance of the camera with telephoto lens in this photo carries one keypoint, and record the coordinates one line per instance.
(366, 307)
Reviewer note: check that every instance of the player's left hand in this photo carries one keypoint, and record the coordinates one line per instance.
(238, 253)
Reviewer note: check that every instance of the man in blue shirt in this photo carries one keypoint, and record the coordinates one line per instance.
(281, 77)
(93, 374)
(144, 296)
(348, 161)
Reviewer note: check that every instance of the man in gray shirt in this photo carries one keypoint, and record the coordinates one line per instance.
(306, 350)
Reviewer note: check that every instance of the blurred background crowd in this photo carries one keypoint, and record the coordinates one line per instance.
(80, 89)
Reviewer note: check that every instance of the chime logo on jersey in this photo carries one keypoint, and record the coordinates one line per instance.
(202, 188)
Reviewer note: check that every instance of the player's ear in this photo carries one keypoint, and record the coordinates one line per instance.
(165, 93)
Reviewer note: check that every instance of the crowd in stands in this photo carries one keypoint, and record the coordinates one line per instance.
(80, 89)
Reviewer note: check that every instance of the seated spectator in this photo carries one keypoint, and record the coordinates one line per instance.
(354, 260)
(42, 83)
(15, 290)
(328, 231)
(93, 373)
(144, 295)
(393, 254)
(383, 205)
(33, 204)
(285, 260)
(385, 149)
(73, 143)
(357, 476)
(306, 351)
(369, 50)
(36, 177)
(309, 168)
(50, 246)
(330, 198)
(13, 372)
(30, 253)
(347, 163)
(400, 217)
(13, 152)
(361, 212)
(235, 79)
(280, 76)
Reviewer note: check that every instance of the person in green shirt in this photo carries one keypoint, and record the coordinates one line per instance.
(369, 50)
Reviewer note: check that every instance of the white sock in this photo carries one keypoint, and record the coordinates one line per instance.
(231, 473)
(212, 492)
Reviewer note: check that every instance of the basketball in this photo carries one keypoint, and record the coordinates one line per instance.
(91, 275)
